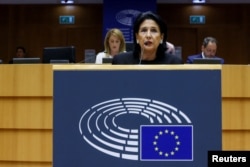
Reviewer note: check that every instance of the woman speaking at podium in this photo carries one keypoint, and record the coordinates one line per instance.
(150, 37)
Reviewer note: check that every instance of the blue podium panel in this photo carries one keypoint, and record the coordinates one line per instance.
(136, 118)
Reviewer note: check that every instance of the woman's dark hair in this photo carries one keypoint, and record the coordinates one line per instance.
(163, 29)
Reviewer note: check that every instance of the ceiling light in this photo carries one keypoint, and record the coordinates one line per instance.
(199, 1)
(67, 1)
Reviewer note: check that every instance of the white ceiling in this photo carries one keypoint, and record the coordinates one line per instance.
(101, 1)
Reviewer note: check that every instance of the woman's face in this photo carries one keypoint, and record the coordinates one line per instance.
(114, 44)
(149, 36)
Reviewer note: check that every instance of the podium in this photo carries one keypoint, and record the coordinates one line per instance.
(106, 115)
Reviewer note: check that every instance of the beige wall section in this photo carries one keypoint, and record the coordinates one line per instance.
(26, 80)
(26, 112)
(26, 98)
(26, 164)
(236, 81)
(26, 145)
(236, 113)
(236, 140)
(236, 107)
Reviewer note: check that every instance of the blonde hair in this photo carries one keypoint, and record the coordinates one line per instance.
(115, 32)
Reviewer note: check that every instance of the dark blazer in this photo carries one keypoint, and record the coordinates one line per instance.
(191, 58)
(129, 58)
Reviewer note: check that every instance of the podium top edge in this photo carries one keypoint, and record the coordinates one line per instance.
(136, 67)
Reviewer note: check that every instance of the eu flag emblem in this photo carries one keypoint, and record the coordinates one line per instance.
(166, 143)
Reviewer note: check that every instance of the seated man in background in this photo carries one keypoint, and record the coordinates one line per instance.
(208, 48)
(20, 53)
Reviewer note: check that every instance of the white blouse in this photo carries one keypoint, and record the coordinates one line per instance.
(100, 56)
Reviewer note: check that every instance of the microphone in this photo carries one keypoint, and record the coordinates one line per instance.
(142, 51)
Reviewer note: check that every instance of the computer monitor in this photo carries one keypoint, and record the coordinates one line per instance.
(59, 54)
(26, 60)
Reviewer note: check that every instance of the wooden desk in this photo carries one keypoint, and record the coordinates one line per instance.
(236, 107)
(26, 115)
(26, 112)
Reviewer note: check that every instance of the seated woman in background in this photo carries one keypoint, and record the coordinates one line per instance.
(114, 43)
(150, 36)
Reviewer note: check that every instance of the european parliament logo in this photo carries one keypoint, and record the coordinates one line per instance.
(138, 129)
(166, 142)
(127, 17)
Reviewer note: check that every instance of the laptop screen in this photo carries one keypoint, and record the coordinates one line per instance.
(107, 60)
(26, 60)
(207, 61)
